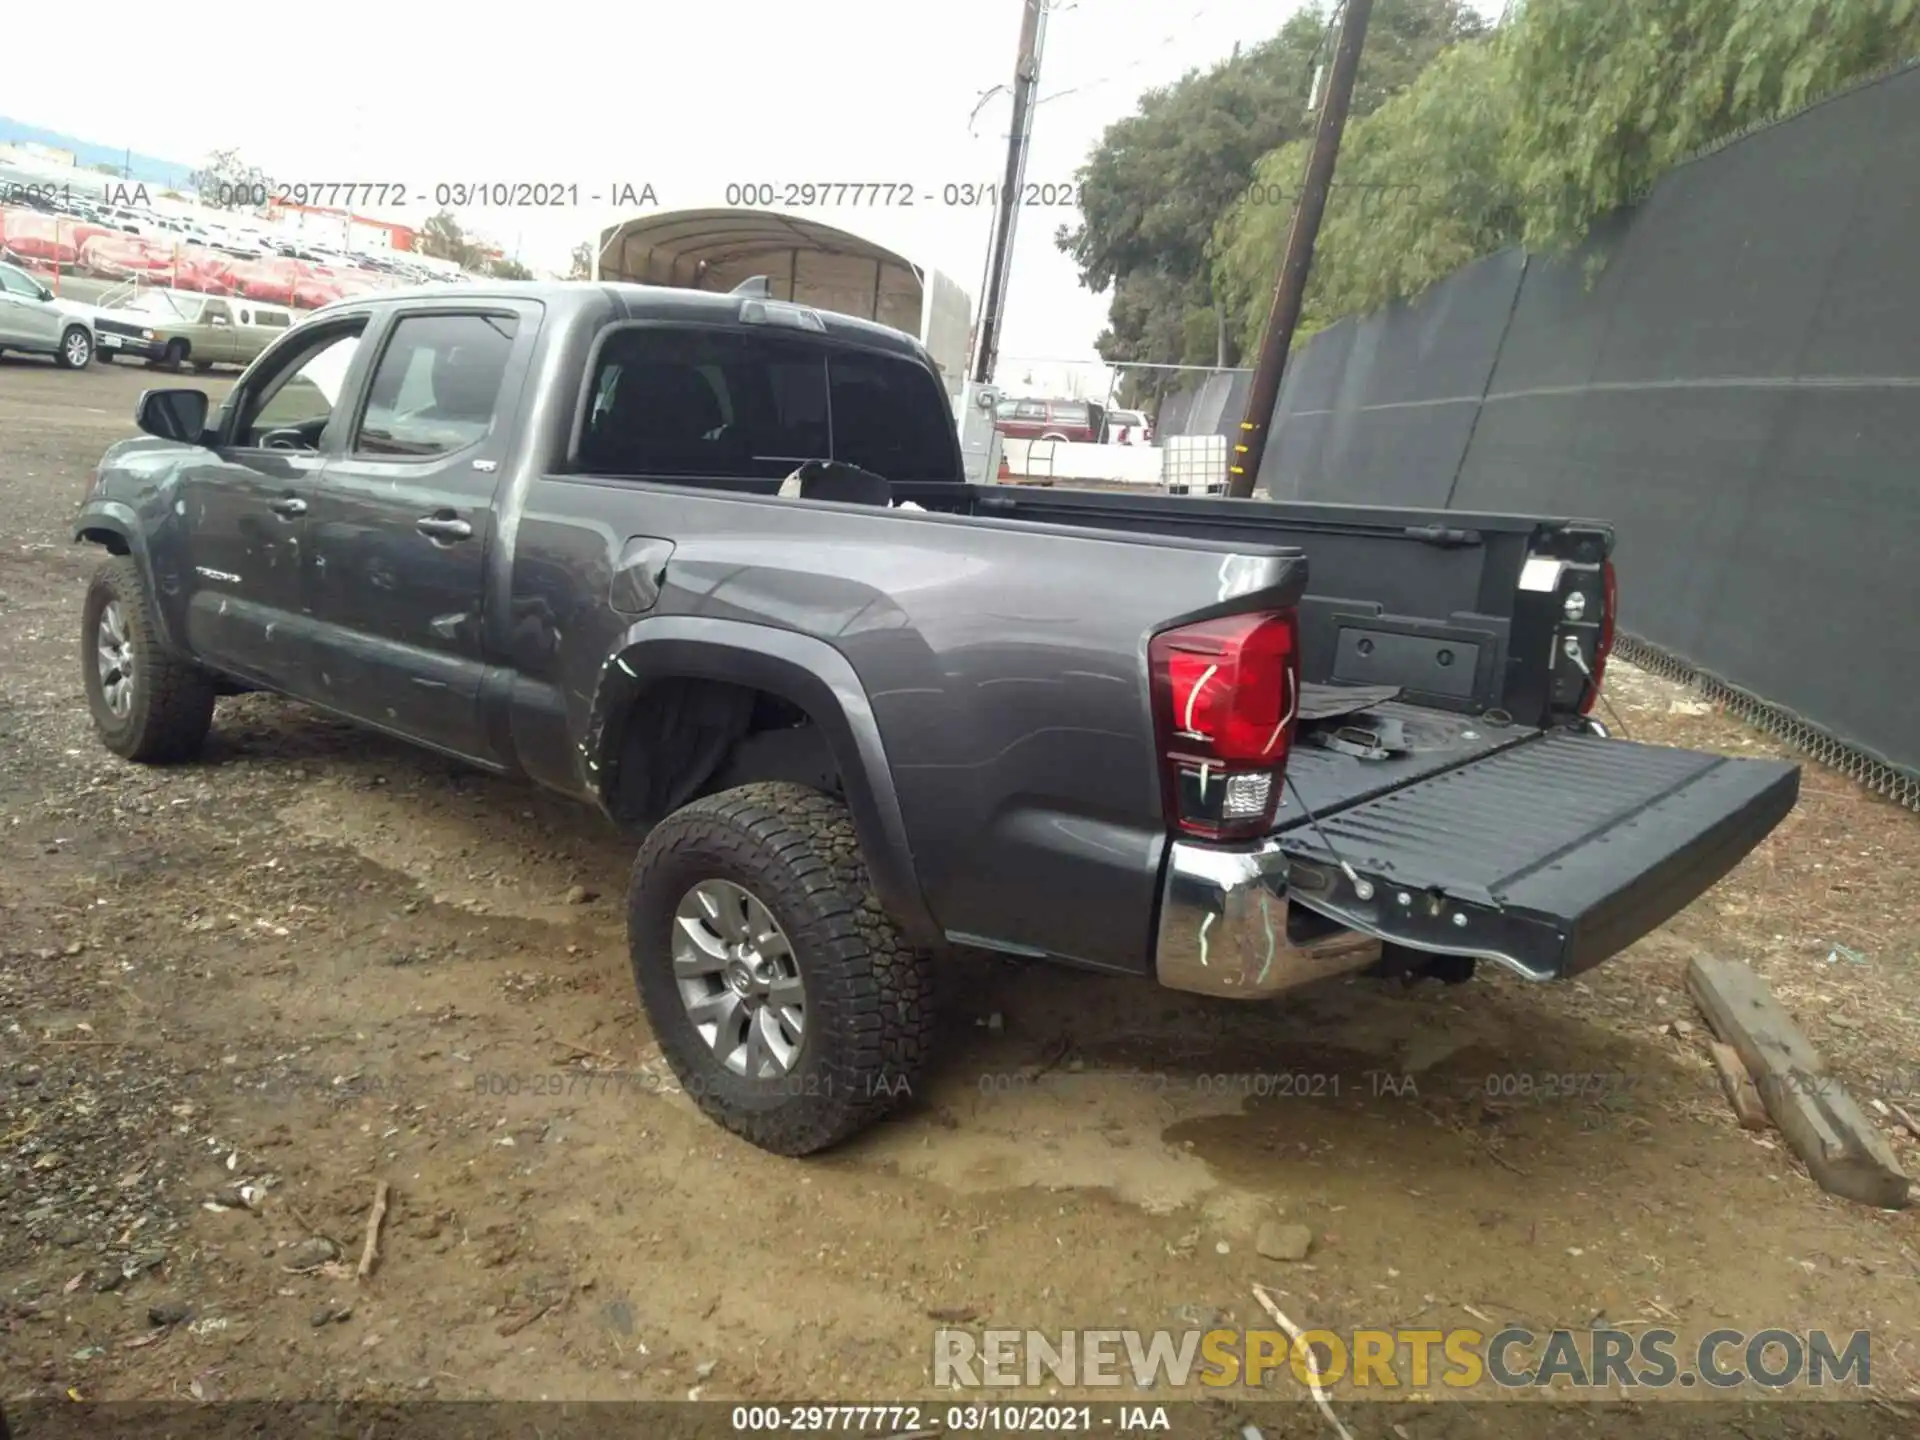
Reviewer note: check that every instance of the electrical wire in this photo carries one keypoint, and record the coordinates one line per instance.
(1151, 53)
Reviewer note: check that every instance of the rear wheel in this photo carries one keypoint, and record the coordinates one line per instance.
(147, 705)
(781, 994)
(76, 349)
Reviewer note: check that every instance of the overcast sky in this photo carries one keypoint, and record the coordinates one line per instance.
(685, 97)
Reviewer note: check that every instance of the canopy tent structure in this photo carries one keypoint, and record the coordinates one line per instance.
(806, 261)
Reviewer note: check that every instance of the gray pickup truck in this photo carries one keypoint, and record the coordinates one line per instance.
(709, 563)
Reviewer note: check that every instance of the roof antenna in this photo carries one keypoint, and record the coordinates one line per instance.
(759, 286)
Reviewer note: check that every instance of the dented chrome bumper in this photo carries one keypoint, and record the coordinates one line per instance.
(1223, 927)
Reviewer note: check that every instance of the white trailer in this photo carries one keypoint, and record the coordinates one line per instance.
(804, 261)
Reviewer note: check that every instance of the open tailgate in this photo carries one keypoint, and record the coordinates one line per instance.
(1549, 855)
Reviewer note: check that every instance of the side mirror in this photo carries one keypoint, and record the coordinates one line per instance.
(173, 414)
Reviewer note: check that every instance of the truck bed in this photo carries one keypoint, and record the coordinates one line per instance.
(1430, 601)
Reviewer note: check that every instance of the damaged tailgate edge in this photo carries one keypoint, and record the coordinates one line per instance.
(1598, 894)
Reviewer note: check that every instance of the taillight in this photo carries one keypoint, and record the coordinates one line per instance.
(1604, 646)
(1225, 696)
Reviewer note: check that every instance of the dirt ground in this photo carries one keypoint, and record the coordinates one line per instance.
(236, 994)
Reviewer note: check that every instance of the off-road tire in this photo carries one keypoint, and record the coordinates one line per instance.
(172, 705)
(869, 996)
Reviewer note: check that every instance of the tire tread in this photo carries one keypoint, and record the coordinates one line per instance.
(177, 695)
(871, 988)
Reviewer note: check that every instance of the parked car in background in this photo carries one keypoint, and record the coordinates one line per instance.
(1127, 427)
(1072, 420)
(33, 320)
(172, 328)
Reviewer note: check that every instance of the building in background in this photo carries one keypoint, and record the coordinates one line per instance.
(341, 229)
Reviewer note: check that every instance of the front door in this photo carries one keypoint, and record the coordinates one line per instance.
(25, 319)
(402, 524)
(215, 342)
(243, 512)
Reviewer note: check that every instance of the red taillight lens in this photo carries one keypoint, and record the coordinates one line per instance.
(1604, 646)
(1225, 696)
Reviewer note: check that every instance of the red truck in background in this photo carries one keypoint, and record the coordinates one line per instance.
(1072, 420)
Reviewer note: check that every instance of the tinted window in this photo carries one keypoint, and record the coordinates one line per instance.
(437, 386)
(715, 402)
(1032, 410)
(18, 282)
(1007, 409)
(272, 319)
(1070, 414)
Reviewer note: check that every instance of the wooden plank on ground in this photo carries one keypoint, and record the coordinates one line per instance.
(1842, 1147)
(1739, 1087)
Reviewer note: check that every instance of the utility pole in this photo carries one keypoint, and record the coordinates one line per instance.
(1290, 291)
(1026, 77)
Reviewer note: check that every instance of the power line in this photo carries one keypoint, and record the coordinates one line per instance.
(1167, 39)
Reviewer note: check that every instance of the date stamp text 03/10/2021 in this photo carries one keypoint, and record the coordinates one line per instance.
(473, 193)
(510, 194)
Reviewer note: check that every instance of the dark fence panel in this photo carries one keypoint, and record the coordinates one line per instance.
(1390, 424)
(1736, 387)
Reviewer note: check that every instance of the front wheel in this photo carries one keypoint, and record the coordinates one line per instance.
(76, 349)
(782, 996)
(147, 705)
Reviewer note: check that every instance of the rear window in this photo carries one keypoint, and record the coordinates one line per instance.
(697, 403)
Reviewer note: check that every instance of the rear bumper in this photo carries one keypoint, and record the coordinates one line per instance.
(1546, 859)
(1223, 927)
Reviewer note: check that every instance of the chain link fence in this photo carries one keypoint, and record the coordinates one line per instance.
(1899, 785)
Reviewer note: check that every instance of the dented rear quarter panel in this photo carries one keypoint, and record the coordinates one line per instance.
(1004, 665)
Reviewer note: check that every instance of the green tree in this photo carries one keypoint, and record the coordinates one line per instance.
(443, 238)
(1421, 190)
(1154, 190)
(1528, 136)
(225, 181)
(1610, 96)
(508, 269)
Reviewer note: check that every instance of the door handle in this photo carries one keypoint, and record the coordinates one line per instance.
(443, 527)
(290, 505)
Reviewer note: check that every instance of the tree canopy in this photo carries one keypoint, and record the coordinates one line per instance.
(1155, 189)
(225, 181)
(1462, 142)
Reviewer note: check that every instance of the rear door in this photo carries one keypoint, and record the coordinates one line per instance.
(402, 525)
(1028, 420)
